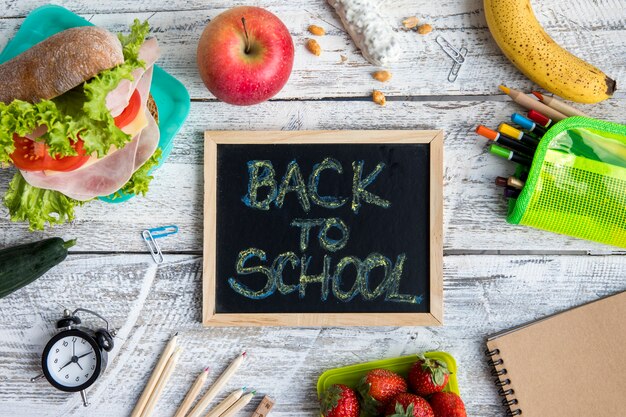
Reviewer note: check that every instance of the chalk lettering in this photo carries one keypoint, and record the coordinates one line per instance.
(245, 256)
(278, 266)
(293, 181)
(394, 285)
(305, 226)
(358, 187)
(333, 245)
(374, 260)
(322, 278)
(314, 179)
(338, 278)
(260, 174)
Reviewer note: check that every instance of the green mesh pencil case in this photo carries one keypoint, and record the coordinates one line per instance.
(577, 182)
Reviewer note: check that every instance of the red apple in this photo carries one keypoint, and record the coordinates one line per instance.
(245, 55)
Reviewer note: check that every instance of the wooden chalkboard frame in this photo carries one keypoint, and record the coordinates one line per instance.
(211, 141)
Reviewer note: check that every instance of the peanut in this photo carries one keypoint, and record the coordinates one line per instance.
(379, 98)
(317, 30)
(314, 47)
(410, 22)
(382, 76)
(424, 29)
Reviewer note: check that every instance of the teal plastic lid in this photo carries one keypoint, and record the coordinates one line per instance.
(170, 95)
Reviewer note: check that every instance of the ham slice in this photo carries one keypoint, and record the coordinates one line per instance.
(118, 98)
(108, 174)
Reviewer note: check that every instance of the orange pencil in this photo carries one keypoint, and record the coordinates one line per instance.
(558, 105)
(532, 104)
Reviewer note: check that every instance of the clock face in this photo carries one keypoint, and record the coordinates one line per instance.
(72, 360)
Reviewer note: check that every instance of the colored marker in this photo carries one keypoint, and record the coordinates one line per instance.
(528, 124)
(510, 155)
(515, 183)
(504, 141)
(511, 192)
(530, 103)
(514, 133)
(501, 181)
(558, 105)
(539, 118)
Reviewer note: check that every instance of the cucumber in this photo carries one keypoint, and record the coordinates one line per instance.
(21, 265)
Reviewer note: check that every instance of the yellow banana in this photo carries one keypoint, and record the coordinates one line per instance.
(522, 39)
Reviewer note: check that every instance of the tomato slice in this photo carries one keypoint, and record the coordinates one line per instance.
(33, 156)
(130, 112)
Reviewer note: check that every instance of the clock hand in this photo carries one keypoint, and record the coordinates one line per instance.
(81, 368)
(82, 356)
(74, 348)
(67, 364)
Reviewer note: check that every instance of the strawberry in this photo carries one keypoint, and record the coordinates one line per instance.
(339, 401)
(428, 376)
(408, 405)
(378, 387)
(447, 404)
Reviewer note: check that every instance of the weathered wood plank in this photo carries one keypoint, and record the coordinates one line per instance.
(474, 207)
(483, 294)
(423, 68)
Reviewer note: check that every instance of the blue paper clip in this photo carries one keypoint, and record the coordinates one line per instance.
(166, 231)
(150, 235)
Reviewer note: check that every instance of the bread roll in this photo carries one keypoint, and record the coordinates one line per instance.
(58, 64)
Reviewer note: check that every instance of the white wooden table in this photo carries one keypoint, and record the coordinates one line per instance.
(496, 275)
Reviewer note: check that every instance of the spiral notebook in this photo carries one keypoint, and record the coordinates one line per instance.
(569, 364)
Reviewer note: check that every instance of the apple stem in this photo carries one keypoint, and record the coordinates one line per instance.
(247, 50)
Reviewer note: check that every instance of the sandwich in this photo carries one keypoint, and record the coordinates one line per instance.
(78, 122)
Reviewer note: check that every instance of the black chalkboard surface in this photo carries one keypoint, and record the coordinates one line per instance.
(320, 228)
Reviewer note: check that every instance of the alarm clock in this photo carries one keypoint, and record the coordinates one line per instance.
(76, 357)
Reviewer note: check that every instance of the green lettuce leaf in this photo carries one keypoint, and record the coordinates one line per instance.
(38, 206)
(140, 181)
(82, 110)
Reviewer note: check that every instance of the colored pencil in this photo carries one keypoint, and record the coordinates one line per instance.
(239, 405)
(511, 192)
(192, 393)
(217, 386)
(160, 386)
(528, 124)
(539, 118)
(558, 105)
(514, 133)
(504, 141)
(154, 378)
(219, 409)
(510, 155)
(501, 181)
(515, 183)
(530, 103)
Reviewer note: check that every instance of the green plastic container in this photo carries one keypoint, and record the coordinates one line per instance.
(170, 95)
(351, 375)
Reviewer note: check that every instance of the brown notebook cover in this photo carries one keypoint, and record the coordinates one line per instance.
(571, 364)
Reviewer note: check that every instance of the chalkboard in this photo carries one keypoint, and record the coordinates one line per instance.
(323, 228)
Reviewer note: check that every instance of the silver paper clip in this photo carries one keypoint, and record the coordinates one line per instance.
(457, 56)
(150, 236)
(456, 67)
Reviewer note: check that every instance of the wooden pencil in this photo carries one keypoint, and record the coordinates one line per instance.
(154, 378)
(530, 103)
(226, 403)
(558, 105)
(160, 386)
(239, 405)
(217, 386)
(192, 394)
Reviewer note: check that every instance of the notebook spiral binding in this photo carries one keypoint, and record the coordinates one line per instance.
(494, 361)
